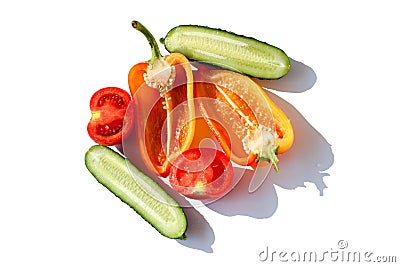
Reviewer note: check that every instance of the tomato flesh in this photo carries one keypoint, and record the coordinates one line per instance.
(109, 121)
(201, 173)
(110, 128)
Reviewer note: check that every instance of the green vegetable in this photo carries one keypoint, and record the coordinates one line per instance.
(137, 190)
(228, 50)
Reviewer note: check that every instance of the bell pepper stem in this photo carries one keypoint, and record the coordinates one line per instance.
(155, 50)
(270, 156)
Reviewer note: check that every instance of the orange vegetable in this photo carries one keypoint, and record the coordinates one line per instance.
(247, 124)
(283, 127)
(157, 88)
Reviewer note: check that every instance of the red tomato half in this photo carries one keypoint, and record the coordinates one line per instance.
(201, 173)
(108, 122)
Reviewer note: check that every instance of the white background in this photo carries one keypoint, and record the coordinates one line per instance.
(340, 96)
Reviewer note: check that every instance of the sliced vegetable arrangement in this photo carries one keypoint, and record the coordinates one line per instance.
(171, 106)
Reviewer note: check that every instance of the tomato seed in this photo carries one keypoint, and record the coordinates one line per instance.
(113, 99)
(110, 129)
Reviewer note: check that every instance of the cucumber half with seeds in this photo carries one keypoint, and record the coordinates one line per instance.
(228, 50)
(136, 189)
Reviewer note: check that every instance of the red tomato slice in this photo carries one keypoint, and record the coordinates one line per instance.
(201, 173)
(108, 122)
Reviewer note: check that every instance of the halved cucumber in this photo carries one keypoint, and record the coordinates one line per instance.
(137, 190)
(228, 50)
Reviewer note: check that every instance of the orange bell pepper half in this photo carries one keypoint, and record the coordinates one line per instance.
(158, 88)
(248, 125)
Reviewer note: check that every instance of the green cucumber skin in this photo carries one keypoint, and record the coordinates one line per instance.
(132, 187)
(228, 50)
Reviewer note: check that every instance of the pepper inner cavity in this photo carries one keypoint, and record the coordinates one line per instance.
(161, 76)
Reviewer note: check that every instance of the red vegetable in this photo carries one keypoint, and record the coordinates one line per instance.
(108, 123)
(201, 173)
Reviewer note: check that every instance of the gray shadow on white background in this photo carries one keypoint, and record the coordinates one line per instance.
(300, 78)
